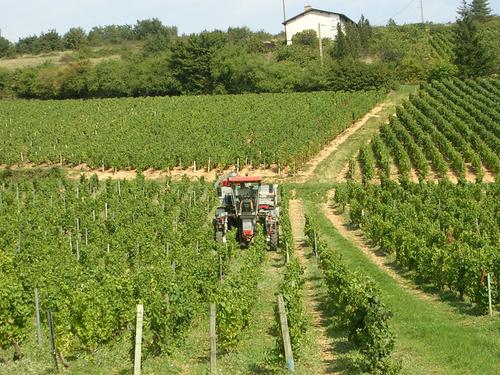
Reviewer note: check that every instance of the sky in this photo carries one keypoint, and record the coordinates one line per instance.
(21, 18)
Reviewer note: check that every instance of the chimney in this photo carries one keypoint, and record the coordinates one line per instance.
(307, 7)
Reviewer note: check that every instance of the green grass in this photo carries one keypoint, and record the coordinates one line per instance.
(432, 337)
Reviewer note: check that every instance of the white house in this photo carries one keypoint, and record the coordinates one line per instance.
(314, 19)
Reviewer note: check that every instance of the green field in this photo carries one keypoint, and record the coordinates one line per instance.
(450, 128)
(95, 249)
(161, 133)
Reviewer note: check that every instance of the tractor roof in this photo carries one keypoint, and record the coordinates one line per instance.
(243, 179)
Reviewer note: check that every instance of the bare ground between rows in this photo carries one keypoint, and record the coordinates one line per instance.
(151, 174)
(312, 299)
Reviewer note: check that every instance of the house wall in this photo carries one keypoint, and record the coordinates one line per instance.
(310, 21)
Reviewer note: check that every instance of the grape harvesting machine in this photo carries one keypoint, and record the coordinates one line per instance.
(244, 203)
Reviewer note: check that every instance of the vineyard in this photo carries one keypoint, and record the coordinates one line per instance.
(449, 129)
(89, 251)
(446, 235)
(93, 250)
(161, 133)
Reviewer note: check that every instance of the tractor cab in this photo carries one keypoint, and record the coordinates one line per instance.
(243, 202)
(246, 194)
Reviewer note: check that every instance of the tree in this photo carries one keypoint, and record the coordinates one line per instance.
(391, 23)
(480, 9)
(234, 70)
(472, 57)
(36, 82)
(239, 34)
(307, 38)
(109, 79)
(340, 50)
(353, 41)
(49, 41)
(154, 26)
(4, 46)
(113, 34)
(365, 32)
(191, 61)
(155, 44)
(464, 9)
(75, 38)
(75, 80)
(27, 44)
(5, 81)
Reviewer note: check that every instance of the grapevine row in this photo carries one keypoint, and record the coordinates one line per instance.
(179, 132)
(357, 304)
(94, 250)
(451, 124)
(446, 234)
(291, 287)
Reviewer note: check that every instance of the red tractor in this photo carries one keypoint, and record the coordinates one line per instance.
(245, 201)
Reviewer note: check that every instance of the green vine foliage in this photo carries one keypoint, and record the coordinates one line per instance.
(96, 249)
(357, 304)
(446, 234)
(291, 289)
(172, 132)
(237, 294)
(291, 286)
(448, 125)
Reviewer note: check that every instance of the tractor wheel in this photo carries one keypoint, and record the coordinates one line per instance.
(274, 242)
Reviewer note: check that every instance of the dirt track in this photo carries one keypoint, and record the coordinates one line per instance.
(312, 301)
(336, 143)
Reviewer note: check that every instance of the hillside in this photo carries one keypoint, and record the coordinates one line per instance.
(450, 129)
(203, 132)
(220, 203)
(87, 245)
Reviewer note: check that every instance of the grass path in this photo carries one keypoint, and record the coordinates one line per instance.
(332, 167)
(432, 337)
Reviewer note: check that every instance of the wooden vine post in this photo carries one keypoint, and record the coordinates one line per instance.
(138, 340)
(315, 245)
(490, 305)
(53, 348)
(37, 318)
(285, 334)
(221, 270)
(213, 340)
(287, 259)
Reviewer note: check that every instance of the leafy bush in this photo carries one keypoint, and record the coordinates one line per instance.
(351, 75)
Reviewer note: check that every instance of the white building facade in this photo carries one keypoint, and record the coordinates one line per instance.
(321, 21)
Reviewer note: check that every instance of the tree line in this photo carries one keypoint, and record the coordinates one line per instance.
(240, 60)
(77, 38)
(234, 61)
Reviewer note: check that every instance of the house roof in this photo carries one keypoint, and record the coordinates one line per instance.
(310, 10)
